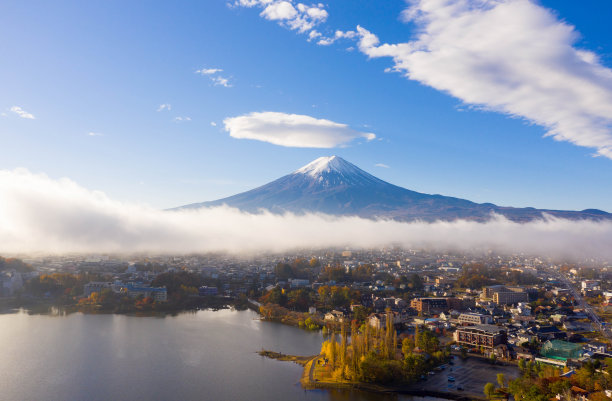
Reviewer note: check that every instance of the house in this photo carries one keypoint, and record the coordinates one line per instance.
(596, 346)
(523, 353)
(334, 316)
(379, 320)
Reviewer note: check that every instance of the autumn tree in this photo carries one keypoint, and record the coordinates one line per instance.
(489, 390)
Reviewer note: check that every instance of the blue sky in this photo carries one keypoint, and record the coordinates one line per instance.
(104, 68)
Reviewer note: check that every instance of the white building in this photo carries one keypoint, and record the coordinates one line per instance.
(475, 318)
(590, 285)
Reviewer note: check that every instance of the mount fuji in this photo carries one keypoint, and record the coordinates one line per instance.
(331, 185)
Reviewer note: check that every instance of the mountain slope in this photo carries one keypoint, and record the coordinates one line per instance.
(334, 186)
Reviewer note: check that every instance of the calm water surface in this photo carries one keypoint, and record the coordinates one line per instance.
(208, 355)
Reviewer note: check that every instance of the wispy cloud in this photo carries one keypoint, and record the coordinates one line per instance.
(208, 71)
(292, 130)
(40, 214)
(181, 119)
(215, 78)
(381, 165)
(212, 123)
(94, 134)
(22, 113)
(221, 81)
(165, 106)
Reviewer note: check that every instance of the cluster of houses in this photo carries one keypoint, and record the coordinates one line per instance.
(499, 322)
(132, 290)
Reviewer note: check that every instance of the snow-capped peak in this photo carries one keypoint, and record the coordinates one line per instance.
(326, 164)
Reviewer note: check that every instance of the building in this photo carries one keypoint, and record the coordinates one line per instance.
(475, 318)
(435, 305)
(590, 285)
(298, 282)
(379, 320)
(159, 294)
(485, 335)
(95, 286)
(502, 295)
(10, 283)
(561, 350)
(596, 347)
(335, 316)
(207, 291)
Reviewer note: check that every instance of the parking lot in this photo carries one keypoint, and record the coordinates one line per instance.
(472, 374)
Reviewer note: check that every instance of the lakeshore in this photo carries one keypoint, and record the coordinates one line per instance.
(471, 372)
(53, 306)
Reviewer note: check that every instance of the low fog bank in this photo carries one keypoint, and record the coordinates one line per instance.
(43, 215)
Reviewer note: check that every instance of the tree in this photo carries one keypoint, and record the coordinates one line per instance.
(501, 380)
(343, 349)
(407, 346)
(489, 390)
(522, 365)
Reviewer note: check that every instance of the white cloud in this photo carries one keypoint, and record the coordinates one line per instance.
(208, 71)
(212, 74)
(182, 119)
(280, 10)
(292, 130)
(314, 34)
(221, 81)
(288, 13)
(40, 214)
(212, 123)
(381, 165)
(22, 113)
(326, 41)
(164, 106)
(510, 56)
(94, 134)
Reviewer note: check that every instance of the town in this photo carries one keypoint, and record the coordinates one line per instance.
(511, 310)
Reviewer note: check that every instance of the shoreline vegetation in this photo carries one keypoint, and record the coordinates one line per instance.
(313, 378)
(36, 306)
(64, 293)
(368, 358)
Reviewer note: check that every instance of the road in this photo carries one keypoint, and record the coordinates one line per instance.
(587, 308)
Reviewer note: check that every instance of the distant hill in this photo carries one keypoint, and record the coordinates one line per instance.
(334, 186)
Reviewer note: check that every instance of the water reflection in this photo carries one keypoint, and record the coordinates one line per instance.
(192, 356)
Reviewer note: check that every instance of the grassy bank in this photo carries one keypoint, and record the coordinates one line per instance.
(300, 360)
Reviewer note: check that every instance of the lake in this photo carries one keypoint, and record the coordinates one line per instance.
(205, 355)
